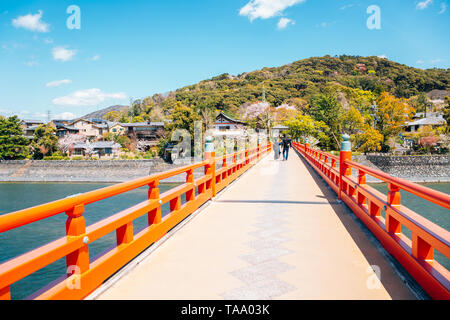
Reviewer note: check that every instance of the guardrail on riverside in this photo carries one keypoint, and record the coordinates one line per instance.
(75, 246)
(416, 255)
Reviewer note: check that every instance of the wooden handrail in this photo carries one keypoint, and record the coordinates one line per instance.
(417, 254)
(74, 246)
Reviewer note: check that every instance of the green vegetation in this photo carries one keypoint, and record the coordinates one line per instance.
(13, 145)
(334, 94)
(45, 142)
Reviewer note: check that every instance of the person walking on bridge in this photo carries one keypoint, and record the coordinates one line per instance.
(286, 144)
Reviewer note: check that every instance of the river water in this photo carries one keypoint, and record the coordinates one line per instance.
(16, 196)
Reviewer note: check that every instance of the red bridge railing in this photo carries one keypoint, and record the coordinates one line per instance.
(74, 247)
(417, 254)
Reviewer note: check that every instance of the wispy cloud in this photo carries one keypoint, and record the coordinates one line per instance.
(31, 63)
(31, 22)
(65, 116)
(95, 58)
(265, 9)
(63, 54)
(424, 4)
(88, 97)
(23, 114)
(284, 22)
(347, 6)
(58, 83)
(443, 8)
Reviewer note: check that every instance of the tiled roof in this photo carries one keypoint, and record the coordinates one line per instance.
(432, 121)
(98, 144)
(143, 124)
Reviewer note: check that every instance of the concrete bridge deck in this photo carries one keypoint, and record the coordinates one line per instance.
(276, 233)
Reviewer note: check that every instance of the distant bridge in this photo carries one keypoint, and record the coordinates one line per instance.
(277, 232)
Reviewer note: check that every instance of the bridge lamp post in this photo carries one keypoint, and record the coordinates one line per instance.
(344, 155)
(210, 169)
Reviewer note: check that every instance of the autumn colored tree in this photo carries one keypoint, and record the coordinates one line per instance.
(370, 140)
(113, 116)
(303, 126)
(352, 121)
(137, 119)
(392, 114)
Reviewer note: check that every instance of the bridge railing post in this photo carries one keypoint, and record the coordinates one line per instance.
(77, 262)
(306, 148)
(154, 216)
(210, 168)
(190, 195)
(344, 170)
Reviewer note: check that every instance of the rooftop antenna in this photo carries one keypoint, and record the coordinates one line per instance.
(49, 115)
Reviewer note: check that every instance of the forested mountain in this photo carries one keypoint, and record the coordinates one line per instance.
(346, 75)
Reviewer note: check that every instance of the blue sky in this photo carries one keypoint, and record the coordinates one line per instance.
(133, 49)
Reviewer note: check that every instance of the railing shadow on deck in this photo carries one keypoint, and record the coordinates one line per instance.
(367, 243)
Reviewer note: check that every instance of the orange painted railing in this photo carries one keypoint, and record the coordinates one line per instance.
(89, 275)
(415, 255)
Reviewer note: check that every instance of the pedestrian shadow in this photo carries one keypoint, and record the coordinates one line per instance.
(394, 279)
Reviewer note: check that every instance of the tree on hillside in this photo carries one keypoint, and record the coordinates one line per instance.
(113, 116)
(326, 108)
(13, 145)
(183, 117)
(137, 119)
(447, 112)
(392, 114)
(370, 140)
(304, 126)
(352, 121)
(44, 142)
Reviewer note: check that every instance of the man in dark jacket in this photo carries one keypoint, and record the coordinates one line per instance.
(286, 143)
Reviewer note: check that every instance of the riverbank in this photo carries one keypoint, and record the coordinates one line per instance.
(419, 169)
(422, 169)
(83, 171)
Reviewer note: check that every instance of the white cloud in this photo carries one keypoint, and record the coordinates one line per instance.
(434, 61)
(265, 9)
(57, 83)
(65, 116)
(31, 22)
(48, 41)
(95, 58)
(63, 54)
(420, 62)
(88, 97)
(424, 4)
(443, 8)
(284, 22)
(383, 56)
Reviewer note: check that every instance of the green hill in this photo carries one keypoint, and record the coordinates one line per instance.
(301, 79)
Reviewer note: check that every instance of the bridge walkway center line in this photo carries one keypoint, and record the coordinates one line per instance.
(276, 233)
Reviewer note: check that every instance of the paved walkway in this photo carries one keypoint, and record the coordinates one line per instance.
(277, 233)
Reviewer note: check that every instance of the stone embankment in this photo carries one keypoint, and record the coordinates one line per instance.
(412, 168)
